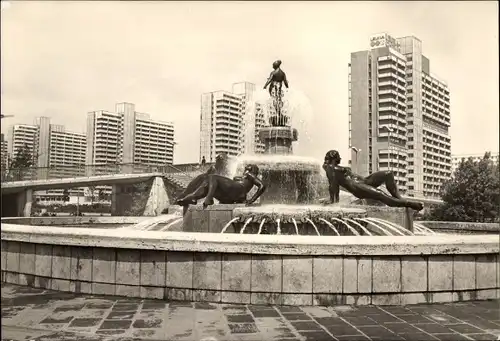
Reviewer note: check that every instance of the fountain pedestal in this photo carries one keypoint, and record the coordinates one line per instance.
(278, 140)
(288, 181)
(212, 219)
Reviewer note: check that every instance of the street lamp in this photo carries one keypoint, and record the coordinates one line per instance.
(4, 116)
(356, 150)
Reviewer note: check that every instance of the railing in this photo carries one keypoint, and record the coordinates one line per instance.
(45, 173)
(191, 167)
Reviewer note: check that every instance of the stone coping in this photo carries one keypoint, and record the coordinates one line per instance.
(465, 226)
(289, 210)
(253, 244)
(75, 220)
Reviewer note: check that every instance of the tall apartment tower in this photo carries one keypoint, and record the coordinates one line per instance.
(56, 152)
(20, 135)
(50, 144)
(230, 122)
(399, 115)
(127, 136)
(253, 119)
(5, 154)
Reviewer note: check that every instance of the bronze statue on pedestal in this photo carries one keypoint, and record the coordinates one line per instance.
(276, 79)
(275, 82)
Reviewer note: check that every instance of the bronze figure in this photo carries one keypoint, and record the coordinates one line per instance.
(276, 79)
(225, 190)
(361, 187)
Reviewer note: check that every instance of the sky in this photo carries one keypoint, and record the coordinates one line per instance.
(64, 59)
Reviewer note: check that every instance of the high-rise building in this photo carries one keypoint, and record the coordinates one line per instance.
(230, 122)
(56, 153)
(126, 136)
(50, 144)
(21, 135)
(5, 154)
(399, 115)
(253, 118)
(456, 159)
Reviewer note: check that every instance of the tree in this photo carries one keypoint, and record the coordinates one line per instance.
(92, 194)
(65, 195)
(472, 194)
(102, 195)
(21, 161)
(23, 158)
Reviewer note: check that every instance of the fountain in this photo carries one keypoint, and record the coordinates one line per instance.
(232, 253)
(286, 176)
(287, 204)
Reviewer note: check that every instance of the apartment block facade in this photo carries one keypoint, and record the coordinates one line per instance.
(399, 115)
(230, 121)
(126, 137)
(50, 144)
(56, 153)
(5, 154)
(456, 159)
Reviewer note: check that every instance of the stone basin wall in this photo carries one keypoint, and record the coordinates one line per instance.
(461, 227)
(233, 268)
(214, 218)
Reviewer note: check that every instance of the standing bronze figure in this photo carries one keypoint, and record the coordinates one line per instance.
(361, 187)
(276, 79)
(275, 82)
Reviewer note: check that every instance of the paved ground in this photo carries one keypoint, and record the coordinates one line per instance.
(43, 315)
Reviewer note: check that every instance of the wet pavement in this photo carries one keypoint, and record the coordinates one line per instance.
(43, 315)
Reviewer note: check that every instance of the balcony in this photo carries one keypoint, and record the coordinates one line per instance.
(388, 100)
(391, 117)
(387, 83)
(396, 153)
(387, 66)
(383, 129)
(401, 79)
(387, 92)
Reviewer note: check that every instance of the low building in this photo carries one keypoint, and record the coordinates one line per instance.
(456, 159)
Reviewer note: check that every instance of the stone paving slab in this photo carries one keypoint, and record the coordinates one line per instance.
(44, 315)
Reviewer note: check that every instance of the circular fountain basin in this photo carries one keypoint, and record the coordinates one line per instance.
(289, 179)
(282, 163)
(257, 269)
